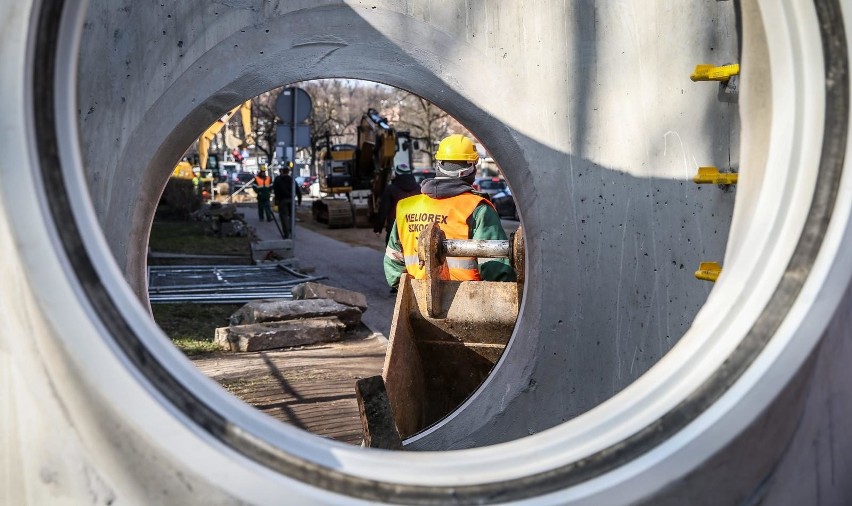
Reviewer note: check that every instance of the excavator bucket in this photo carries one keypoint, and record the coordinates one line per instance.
(446, 336)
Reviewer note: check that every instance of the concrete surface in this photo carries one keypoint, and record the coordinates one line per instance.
(624, 381)
(313, 290)
(607, 204)
(274, 310)
(276, 335)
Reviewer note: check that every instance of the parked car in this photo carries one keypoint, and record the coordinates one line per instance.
(489, 185)
(505, 204)
(305, 183)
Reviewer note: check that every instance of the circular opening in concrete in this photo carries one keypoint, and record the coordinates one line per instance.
(188, 105)
(288, 322)
(597, 446)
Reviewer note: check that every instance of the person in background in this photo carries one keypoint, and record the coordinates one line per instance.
(283, 188)
(262, 186)
(401, 186)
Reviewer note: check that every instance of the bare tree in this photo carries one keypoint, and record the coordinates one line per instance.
(264, 122)
(328, 113)
(337, 107)
(424, 120)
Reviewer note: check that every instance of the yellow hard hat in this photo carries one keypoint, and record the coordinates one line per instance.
(457, 147)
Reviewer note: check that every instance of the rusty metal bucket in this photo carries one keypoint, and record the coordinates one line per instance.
(446, 336)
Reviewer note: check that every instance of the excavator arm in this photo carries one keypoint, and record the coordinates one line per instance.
(245, 112)
(212, 130)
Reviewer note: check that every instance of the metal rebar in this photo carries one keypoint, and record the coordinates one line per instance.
(224, 288)
(476, 248)
(219, 299)
(222, 284)
(222, 268)
(162, 280)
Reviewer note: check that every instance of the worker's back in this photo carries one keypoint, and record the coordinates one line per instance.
(402, 186)
(462, 214)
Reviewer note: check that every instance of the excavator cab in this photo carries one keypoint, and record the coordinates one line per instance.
(360, 172)
(336, 176)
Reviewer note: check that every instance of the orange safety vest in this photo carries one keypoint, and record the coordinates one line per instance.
(263, 181)
(451, 214)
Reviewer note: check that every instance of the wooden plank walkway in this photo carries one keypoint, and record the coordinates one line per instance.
(311, 387)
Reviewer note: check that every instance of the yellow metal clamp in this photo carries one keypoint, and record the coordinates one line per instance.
(714, 73)
(708, 271)
(711, 175)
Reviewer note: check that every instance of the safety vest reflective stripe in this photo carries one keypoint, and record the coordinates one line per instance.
(393, 254)
(468, 263)
(413, 214)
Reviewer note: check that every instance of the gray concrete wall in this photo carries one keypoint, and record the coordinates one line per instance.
(97, 406)
(590, 113)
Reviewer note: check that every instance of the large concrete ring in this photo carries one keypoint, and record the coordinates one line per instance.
(100, 405)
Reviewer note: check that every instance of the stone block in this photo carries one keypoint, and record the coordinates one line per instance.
(275, 335)
(311, 290)
(271, 310)
(233, 228)
(222, 212)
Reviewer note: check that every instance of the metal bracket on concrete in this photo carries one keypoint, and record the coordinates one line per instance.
(708, 271)
(711, 175)
(726, 75)
(705, 72)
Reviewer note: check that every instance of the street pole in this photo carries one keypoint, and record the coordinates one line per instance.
(293, 173)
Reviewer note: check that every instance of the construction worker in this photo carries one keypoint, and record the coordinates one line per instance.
(283, 188)
(401, 186)
(196, 183)
(262, 186)
(449, 200)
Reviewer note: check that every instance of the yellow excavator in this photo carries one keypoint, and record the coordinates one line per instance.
(359, 173)
(183, 170)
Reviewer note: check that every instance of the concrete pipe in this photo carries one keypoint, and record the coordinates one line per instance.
(625, 381)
